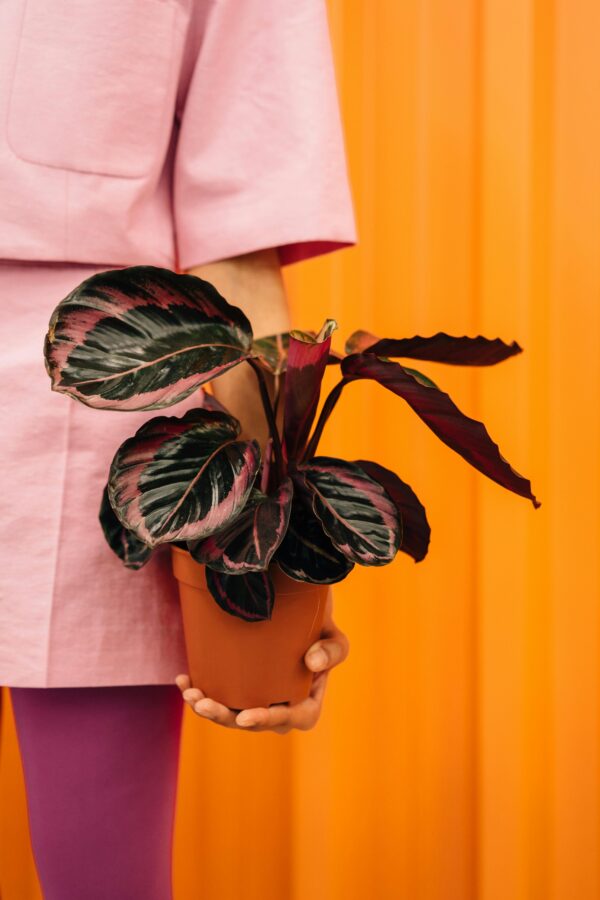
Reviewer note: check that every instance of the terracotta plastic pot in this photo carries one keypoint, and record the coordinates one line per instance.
(245, 664)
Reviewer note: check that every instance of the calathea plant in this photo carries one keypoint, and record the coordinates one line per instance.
(144, 338)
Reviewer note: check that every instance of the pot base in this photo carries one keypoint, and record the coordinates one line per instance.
(248, 664)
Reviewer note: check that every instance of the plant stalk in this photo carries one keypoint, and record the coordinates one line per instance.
(266, 402)
(328, 407)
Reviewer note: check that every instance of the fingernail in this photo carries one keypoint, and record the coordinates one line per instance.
(318, 658)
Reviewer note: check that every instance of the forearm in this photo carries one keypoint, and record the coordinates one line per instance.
(253, 282)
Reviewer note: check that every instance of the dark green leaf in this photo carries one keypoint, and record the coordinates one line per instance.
(356, 512)
(248, 544)
(142, 338)
(411, 512)
(250, 597)
(306, 553)
(182, 478)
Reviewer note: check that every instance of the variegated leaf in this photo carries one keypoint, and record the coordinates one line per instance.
(306, 553)
(130, 550)
(142, 338)
(415, 530)
(182, 478)
(248, 544)
(250, 596)
(356, 512)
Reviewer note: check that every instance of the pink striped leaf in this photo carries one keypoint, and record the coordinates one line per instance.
(306, 553)
(441, 347)
(249, 542)
(181, 479)
(142, 338)
(250, 596)
(355, 511)
(307, 358)
(415, 530)
(466, 436)
(132, 552)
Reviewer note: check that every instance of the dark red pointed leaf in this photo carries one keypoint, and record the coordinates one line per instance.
(355, 511)
(248, 544)
(441, 347)
(306, 553)
(130, 550)
(250, 597)
(466, 436)
(307, 358)
(415, 527)
(182, 478)
(142, 338)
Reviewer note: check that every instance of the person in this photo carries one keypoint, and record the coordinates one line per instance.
(195, 135)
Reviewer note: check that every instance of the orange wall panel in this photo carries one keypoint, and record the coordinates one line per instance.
(457, 757)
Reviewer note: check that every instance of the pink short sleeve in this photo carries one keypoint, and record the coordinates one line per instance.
(260, 159)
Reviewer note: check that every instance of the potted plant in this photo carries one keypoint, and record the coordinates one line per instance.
(256, 537)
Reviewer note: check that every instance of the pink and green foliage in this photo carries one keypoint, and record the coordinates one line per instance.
(143, 338)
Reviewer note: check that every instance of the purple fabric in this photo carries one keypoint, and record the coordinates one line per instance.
(100, 769)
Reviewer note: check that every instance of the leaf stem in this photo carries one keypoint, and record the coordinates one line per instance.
(270, 416)
(328, 407)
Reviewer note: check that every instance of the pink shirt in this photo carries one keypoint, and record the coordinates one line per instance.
(167, 132)
(171, 132)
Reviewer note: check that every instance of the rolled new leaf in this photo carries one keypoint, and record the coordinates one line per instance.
(441, 347)
(307, 359)
(272, 351)
(142, 338)
(248, 544)
(250, 596)
(466, 436)
(130, 550)
(415, 527)
(181, 479)
(355, 511)
(306, 553)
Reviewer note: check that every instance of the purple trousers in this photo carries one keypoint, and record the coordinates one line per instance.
(100, 766)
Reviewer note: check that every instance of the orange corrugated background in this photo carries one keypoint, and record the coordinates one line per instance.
(458, 753)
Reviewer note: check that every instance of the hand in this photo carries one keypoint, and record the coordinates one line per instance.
(333, 647)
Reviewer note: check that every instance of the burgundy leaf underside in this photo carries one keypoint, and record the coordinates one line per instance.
(415, 527)
(305, 369)
(468, 437)
(441, 347)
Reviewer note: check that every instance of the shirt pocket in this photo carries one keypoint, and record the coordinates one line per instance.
(93, 86)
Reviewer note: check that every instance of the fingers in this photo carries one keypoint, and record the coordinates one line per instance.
(182, 682)
(281, 717)
(216, 712)
(332, 649)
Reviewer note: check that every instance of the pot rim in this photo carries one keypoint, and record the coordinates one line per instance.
(283, 583)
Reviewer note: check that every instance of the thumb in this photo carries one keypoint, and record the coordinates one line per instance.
(327, 653)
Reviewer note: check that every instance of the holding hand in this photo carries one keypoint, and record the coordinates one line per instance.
(331, 649)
